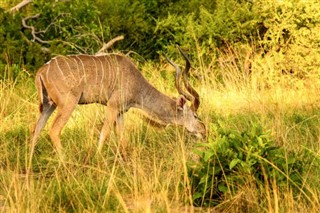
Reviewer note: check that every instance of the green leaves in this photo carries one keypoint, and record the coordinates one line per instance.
(232, 159)
(234, 162)
(285, 34)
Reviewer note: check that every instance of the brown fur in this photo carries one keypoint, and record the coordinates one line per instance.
(112, 80)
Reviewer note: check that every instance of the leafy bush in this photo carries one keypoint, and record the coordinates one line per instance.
(65, 27)
(233, 159)
(280, 33)
(14, 46)
(72, 25)
(210, 27)
(292, 39)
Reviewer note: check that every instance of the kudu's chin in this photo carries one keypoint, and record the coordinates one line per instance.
(198, 135)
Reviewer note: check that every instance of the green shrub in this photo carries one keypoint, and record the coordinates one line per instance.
(281, 34)
(234, 159)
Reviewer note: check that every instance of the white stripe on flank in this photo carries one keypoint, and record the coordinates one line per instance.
(84, 70)
(65, 59)
(110, 73)
(47, 72)
(116, 72)
(47, 75)
(102, 70)
(102, 78)
(76, 62)
(95, 65)
(58, 66)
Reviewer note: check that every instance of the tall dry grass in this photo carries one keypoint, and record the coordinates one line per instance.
(154, 177)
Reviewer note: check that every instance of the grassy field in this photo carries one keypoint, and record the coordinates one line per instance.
(154, 177)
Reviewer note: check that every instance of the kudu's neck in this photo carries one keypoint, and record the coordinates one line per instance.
(157, 105)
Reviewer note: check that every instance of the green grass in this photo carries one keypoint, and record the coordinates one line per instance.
(154, 177)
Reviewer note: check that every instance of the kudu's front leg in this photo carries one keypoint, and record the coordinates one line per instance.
(123, 142)
(114, 119)
(109, 123)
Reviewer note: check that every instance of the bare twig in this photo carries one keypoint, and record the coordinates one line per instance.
(33, 30)
(20, 5)
(24, 3)
(109, 44)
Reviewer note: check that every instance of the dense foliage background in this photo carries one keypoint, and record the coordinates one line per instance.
(205, 28)
(255, 64)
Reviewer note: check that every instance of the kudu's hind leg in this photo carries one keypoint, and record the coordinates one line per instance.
(63, 115)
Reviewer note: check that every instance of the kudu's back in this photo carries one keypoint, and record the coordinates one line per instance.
(90, 79)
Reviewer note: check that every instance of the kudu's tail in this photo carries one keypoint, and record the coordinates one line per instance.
(42, 93)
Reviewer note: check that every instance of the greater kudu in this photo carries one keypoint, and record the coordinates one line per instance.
(112, 80)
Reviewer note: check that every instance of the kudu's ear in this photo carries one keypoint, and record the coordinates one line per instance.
(181, 102)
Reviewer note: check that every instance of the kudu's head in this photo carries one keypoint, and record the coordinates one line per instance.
(187, 115)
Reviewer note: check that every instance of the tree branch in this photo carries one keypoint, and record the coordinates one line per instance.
(33, 30)
(20, 5)
(109, 44)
